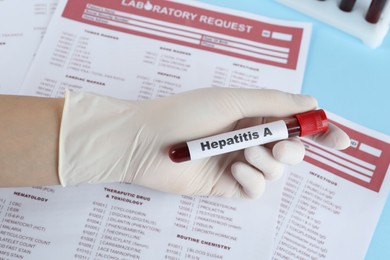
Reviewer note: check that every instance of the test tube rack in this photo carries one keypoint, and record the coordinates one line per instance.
(352, 22)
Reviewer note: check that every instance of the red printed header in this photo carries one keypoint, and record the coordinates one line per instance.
(195, 27)
(365, 162)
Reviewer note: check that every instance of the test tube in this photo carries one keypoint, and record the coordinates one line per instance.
(375, 10)
(347, 5)
(307, 123)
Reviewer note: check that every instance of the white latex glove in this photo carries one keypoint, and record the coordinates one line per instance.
(109, 140)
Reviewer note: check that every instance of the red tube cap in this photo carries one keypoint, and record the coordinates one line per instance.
(312, 122)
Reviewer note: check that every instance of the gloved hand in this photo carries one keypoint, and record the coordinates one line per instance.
(104, 139)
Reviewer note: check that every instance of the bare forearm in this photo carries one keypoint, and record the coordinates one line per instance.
(29, 132)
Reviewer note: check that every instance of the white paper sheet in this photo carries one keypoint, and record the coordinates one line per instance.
(122, 221)
(132, 50)
(142, 50)
(332, 202)
(22, 26)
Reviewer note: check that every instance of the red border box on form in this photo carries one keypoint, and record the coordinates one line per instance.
(195, 27)
(364, 163)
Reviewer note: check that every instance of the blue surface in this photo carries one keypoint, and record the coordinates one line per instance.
(348, 79)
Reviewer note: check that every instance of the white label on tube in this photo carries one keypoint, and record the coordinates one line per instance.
(237, 140)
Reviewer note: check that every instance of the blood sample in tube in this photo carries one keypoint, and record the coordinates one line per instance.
(347, 5)
(307, 123)
(375, 10)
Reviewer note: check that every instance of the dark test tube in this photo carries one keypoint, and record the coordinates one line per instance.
(375, 10)
(302, 124)
(347, 5)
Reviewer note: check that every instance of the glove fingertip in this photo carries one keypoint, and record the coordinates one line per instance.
(262, 159)
(334, 138)
(251, 180)
(289, 151)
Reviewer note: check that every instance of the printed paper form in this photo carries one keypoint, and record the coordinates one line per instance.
(122, 221)
(332, 202)
(148, 49)
(22, 26)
